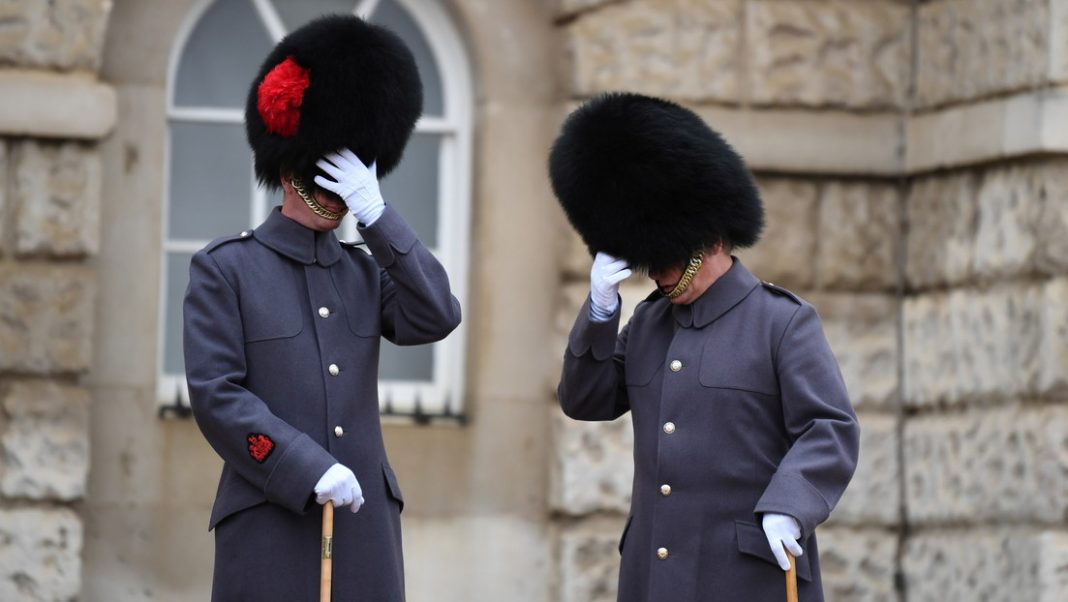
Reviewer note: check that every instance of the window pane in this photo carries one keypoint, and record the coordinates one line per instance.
(211, 180)
(177, 281)
(406, 363)
(295, 13)
(222, 56)
(389, 14)
(412, 188)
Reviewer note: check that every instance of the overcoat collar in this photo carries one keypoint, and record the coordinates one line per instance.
(724, 294)
(296, 242)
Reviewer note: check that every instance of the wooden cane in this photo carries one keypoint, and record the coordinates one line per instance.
(326, 574)
(791, 579)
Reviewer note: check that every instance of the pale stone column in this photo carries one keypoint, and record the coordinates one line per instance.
(54, 112)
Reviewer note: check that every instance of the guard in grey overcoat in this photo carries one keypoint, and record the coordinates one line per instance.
(282, 331)
(741, 419)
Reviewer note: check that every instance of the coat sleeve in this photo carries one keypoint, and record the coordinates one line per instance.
(820, 423)
(417, 304)
(282, 461)
(591, 383)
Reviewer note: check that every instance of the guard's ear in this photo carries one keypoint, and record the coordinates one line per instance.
(287, 184)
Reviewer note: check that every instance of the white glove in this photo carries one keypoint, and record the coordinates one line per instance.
(354, 183)
(605, 276)
(782, 532)
(340, 486)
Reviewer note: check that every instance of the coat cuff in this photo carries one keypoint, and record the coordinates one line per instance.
(588, 334)
(388, 236)
(292, 482)
(794, 496)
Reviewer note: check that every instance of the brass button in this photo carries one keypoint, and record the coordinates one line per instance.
(324, 312)
(676, 365)
(662, 553)
(338, 431)
(665, 489)
(334, 370)
(669, 427)
(245, 234)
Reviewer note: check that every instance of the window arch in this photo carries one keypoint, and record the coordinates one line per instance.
(210, 189)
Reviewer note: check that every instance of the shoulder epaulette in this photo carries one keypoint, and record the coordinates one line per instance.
(780, 290)
(222, 240)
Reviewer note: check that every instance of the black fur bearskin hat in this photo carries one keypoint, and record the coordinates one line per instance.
(648, 181)
(337, 82)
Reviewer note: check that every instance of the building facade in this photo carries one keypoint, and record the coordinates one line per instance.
(913, 159)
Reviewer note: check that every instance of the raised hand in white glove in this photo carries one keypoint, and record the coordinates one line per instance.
(605, 276)
(354, 182)
(340, 486)
(782, 532)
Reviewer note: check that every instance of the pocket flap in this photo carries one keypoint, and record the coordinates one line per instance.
(391, 485)
(752, 541)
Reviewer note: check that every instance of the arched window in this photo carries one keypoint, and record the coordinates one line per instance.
(210, 188)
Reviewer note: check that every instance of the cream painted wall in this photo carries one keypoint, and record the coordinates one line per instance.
(476, 520)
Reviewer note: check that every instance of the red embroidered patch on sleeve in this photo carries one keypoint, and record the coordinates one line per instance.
(259, 446)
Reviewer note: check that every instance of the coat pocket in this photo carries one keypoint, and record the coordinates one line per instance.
(391, 486)
(265, 321)
(753, 542)
(623, 537)
(742, 368)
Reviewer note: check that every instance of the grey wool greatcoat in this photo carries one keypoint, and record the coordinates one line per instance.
(738, 409)
(282, 332)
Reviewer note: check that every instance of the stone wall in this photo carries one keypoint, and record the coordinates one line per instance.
(938, 267)
(986, 384)
(50, 183)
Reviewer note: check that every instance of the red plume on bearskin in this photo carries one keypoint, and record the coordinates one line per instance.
(337, 82)
(280, 95)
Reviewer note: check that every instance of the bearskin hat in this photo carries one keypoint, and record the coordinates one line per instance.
(648, 181)
(337, 82)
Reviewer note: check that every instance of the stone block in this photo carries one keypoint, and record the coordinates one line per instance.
(987, 564)
(858, 565)
(1052, 357)
(46, 317)
(859, 236)
(588, 558)
(1023, 125)
(828, 53)
(974, 344)
(679, 49)
(51, 105)
(57, 198)
(592, 467)
(874, 495)
(930, 370)
(942, 219)
(1008, 211)
(988, 466)
(61, 34)
(968, 49)
(806, 142)
(1051, 232)
(785, 251)
(46, 442)
(1058, 46)
(862, 332)
(40, 555)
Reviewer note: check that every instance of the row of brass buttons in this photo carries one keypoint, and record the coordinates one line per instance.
(665, 489)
